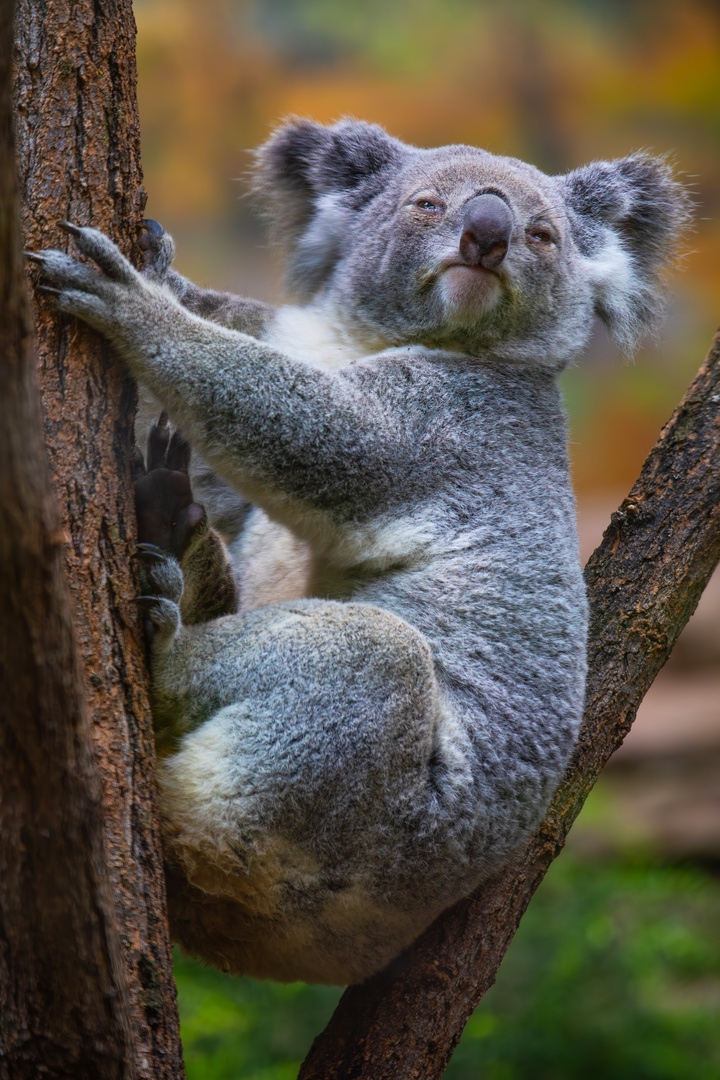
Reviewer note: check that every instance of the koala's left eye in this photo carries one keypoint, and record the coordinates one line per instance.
(540, 236)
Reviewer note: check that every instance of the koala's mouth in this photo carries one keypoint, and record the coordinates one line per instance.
(468, 291)
(456, 263)
(479, 271)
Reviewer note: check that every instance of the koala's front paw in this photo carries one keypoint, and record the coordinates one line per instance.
(158, 250)
(109, 300)
(167, 515)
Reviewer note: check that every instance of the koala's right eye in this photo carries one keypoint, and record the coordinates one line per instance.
(428, 206)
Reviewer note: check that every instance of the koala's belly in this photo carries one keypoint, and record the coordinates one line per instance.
(271, 564)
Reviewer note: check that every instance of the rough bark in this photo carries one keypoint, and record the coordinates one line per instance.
(78, 158)
(63, 998)
(644, 582)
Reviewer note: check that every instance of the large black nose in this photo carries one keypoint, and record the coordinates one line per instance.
(487, 227)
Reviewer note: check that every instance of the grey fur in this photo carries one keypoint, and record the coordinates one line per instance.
(364, 743)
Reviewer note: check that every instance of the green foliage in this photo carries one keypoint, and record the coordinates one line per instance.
(613, 975)
(242, 1028)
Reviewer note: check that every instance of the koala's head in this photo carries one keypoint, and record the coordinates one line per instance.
(458, 248)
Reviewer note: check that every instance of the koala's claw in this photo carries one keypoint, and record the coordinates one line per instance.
(162, 619)
(149, 552)
(152, 229)
(178, 453)
(157, 248)
(157, 444)
(68, 227)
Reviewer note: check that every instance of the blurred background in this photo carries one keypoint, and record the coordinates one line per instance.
(615, 972)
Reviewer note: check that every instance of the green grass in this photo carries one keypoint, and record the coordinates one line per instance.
(613, 975)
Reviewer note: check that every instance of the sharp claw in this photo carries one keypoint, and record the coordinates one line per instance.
(145, 601)
(68, 227)
(49, 289)
(149, 551)
(152, 226)
(34, 256)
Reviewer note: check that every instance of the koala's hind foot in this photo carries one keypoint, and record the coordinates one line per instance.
(172, 522)
(167, 515)
(162, 582)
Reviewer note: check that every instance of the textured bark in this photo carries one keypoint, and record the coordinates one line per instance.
(644, 582)
(78, 158)
(63, 998)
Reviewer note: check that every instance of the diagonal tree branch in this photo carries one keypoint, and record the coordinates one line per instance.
(644, 582)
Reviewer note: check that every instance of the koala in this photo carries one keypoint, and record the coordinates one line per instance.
(367, 692)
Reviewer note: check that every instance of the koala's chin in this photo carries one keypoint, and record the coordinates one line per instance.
(467, 292)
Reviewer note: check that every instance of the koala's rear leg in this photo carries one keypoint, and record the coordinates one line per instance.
(171, 521)
(318, 768)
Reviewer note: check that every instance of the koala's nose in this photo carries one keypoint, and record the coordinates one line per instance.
(487, 227)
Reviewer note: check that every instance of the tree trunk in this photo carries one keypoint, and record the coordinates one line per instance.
(78, 158)
(644, 582)
(63, 994)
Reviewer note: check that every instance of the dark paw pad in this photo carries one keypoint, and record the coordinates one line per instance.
(167, 515)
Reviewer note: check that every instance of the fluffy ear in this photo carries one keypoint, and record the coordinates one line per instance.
(311, 178)
(627, 217)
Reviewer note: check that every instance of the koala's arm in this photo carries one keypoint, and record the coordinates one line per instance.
(289, 436)
(224, 308)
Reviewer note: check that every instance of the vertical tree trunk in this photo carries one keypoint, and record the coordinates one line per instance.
(78, 158)
(63, 994)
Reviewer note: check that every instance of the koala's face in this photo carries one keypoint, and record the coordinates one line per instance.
(465, 250)
(458, 248)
